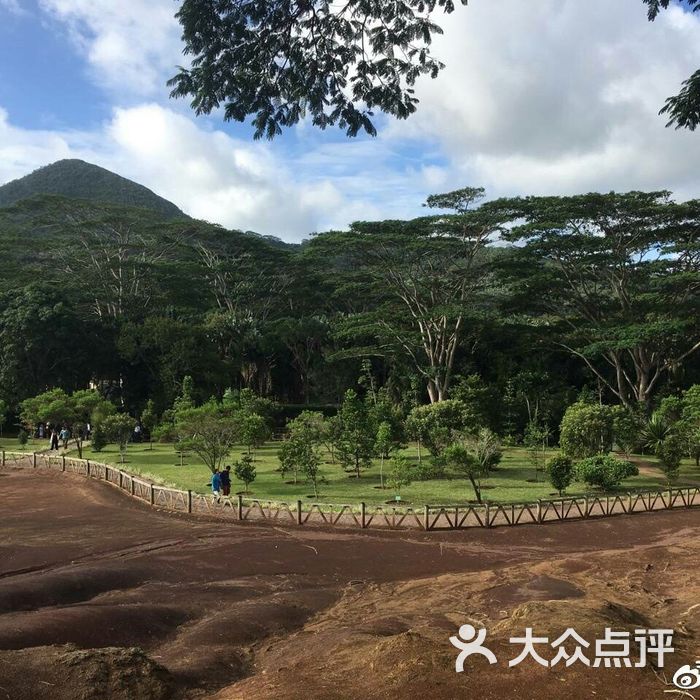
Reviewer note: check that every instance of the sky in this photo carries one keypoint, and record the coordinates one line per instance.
(538, 97)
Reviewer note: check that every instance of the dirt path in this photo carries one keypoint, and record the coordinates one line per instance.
(248, 611)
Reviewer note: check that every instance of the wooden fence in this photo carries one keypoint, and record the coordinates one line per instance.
(429, 517)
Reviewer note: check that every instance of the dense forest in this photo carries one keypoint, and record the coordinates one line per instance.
(518, 305)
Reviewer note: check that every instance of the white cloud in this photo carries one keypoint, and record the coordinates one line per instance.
(208, 174)
(131, 46)
(12, 6)
(560, 96)
(544, 96)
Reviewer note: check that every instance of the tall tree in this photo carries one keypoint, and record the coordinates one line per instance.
(619, 274)
(427, 277)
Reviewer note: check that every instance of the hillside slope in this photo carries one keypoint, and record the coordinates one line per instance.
(80, 180)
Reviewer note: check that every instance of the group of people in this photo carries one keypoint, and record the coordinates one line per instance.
(57, 435)
(221, 483)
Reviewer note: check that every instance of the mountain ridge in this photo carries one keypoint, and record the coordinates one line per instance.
(78, 179)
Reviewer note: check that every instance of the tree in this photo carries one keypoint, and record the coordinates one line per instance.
(383, 445)
(119, 428)
(604, 471)
(670, 453)
(627, 428)
(690, 421)
(282, 61)
(400, 475)
(426, 278)
(438, 425)
(683, 109)
(300, 450)
(3, 414)
(245, 471)
(535, 439)
(465, 463)
(22, 437)
(210, 431)
(149, 419)
(59, 408)
(355, 443)
(253, 430)
(616, 273)
(561, 473)
(486, 448)
(586, 430)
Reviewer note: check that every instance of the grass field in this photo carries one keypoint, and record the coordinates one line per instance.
(512, 482)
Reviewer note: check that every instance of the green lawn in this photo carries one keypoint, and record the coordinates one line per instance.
(11, 444)
(512, 482)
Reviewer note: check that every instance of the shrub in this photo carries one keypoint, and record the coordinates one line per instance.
(586, 430)
(245, 471)
(433, 469)
(98, 439)
(604, 471)
(23, 437)
(670, 453)
(561, 472)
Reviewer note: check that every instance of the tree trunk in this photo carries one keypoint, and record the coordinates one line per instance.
(476, 488)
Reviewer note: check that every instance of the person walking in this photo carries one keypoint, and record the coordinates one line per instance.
(65, 436)
(54, 439)
(226, 481)
(216, 485)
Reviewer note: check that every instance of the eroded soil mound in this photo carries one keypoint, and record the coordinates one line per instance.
(236, 611)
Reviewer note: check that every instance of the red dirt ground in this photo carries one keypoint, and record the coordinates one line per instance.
(103, 597)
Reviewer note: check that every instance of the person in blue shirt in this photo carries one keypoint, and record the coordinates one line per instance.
(216, 485)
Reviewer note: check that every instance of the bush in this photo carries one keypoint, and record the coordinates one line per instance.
(604, 471)
(670, 453)
(561, 472)
(586, 430)
(430, 469)
(98, 439)
(23, 437)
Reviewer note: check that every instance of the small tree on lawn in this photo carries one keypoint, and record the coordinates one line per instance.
(23, 437)
(465, 464)
(149, 420)
(400, 475)
(99, 440)
(561, 473)
(670, 452)
(627, 428)
(245, 471)
(253, 430)
(586, 430)
(656, 431)
(486, 448)
(209, 431)
(119, 428)
(383, 445)
(310, 465)
(604, 471)
(535, 439)
(305, 433)
(355, 442)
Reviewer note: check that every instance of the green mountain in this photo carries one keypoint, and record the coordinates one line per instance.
(77, 179)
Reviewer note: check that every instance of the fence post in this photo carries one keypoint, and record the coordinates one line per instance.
(299, 520)
(3, 458)
(121, 478)
(34, 459)
(585, 507)
(629, 501)
(670, 497)
(539, 510)
(87, 466)
(63, 463)
(488, 515)
(426, 518)
(133, 486)
(607, 505)
(363, 522)
(153, 495)
(240, 507)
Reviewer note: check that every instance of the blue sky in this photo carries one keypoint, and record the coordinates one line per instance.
(548, 96)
